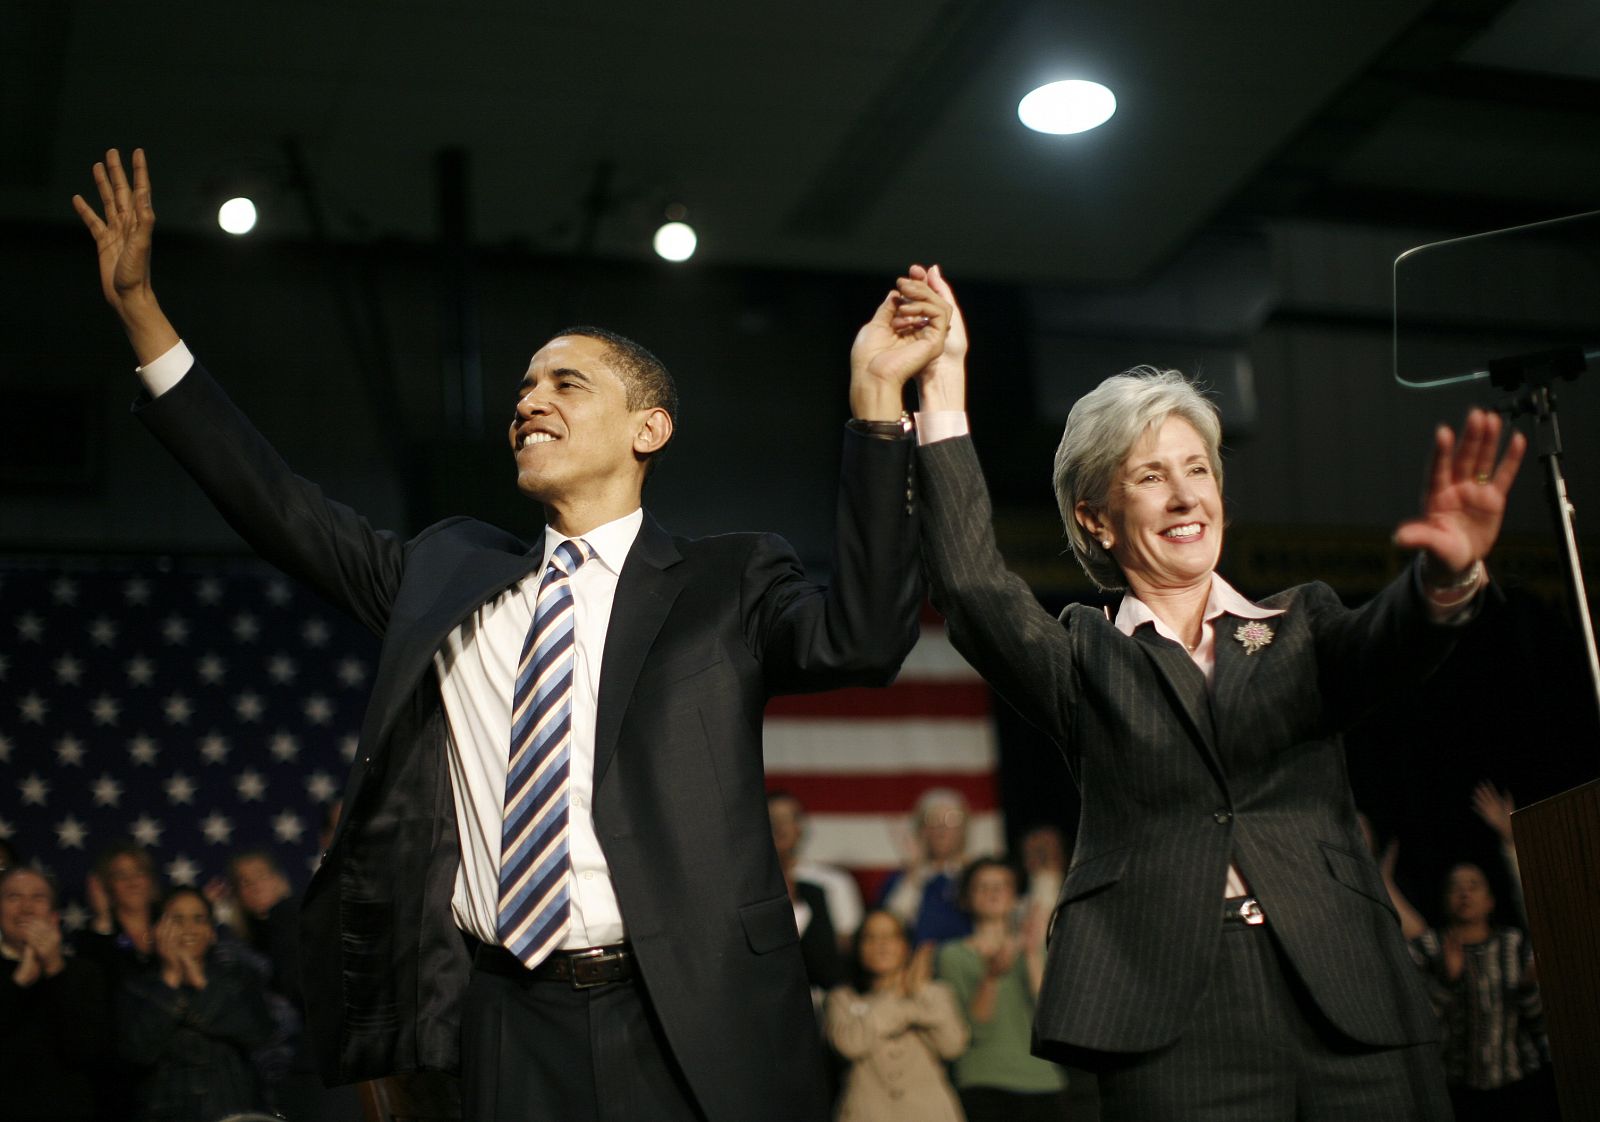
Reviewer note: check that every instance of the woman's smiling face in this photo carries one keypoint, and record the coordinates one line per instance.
(1163, 514)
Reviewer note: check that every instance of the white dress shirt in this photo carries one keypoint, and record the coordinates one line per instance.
(477, 673)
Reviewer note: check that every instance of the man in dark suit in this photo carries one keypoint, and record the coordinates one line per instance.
(554, 870)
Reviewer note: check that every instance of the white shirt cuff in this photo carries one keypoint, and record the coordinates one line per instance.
(945, 424)
(160, 374)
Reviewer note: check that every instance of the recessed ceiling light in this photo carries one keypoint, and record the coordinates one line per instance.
(1067, 107)
(676, 241)
(237, 216)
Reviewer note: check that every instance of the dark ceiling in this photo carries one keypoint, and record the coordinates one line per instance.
(835, 135)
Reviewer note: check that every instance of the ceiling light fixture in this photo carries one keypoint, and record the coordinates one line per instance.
(237, 216)
(1066, 107)
(675, 241)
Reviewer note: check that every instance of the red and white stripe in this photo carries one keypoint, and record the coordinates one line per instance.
(858, 759)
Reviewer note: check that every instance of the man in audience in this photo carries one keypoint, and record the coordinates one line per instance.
(925, 894)
(54, 1031)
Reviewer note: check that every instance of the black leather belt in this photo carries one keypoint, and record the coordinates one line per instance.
(1243, 909)
(581, 969)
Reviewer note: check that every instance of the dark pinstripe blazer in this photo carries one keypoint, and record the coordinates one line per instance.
(1176, 782)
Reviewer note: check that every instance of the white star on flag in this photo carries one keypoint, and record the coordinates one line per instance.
(146, 831)
(283, 747)
(74, 918)
(320, 786)
(211, 669)
(213, 748)
(178, 709)
(5, 749)
(141, 671)
(105, 710)
(33, 708)
(70, 833)
(315, 632)
(208, 591)
(281, 668)
(248, 706)
(30, 627)
(69, 670)
(250, 785)
(181, 870)
(35, 791)
(102, 632)
(287, 827)
(217, 828)
(175, 630)
(245, 627)
(142, 750)
(348, 746)
(64, 591)
(180, 789)
(278, 592)
(352, 672)
(69, 751)
(136, 591)
(318, 710)
(107, 791)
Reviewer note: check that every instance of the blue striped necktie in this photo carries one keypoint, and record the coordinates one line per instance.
(535, 845)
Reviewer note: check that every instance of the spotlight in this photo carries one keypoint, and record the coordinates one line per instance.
(237, 216)
(675, 241)
(1067, 107)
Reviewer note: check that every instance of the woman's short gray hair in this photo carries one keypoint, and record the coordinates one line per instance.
(1102, 428)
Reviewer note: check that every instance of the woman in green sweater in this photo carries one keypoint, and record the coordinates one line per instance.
(995, 974)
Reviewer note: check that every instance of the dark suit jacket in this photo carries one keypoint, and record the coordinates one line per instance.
(701, 634)
(1176, 782)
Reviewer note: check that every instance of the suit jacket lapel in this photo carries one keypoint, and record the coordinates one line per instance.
(1234, 667)
(646, 589)
(480, 575)
(1188, 688)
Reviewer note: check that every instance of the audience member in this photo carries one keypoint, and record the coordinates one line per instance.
(54, 1032)
(819, 945)
(1480, 977)
(189, 1024)
(995, 973)
(840, 888)
(924, 893)
(896, 1027)
(122, 893)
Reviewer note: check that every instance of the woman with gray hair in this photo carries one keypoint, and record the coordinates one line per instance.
(1223, 947)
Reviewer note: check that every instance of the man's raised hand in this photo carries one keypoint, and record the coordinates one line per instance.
(886, 356)
(122, 240)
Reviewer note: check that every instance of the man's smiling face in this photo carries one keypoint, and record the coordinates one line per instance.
(573, 433)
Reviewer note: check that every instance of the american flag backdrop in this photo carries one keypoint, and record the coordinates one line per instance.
(202, 707)
(198, 707)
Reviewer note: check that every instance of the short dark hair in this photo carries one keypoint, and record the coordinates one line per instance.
(643, 375)
(187, 890)
(970, 874)
(11, 872)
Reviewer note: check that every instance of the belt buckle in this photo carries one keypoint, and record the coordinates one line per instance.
(1250, 911)
(586, 967)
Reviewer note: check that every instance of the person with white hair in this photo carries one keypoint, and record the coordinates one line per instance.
(1223, 947)
(925, 894)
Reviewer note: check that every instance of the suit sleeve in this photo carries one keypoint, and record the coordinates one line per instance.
(993, 617)
(284, 518)
(857, 630)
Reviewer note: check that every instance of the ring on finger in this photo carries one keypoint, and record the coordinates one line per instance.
(1481, 478)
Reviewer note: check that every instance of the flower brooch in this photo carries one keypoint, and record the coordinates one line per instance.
(1254, 634)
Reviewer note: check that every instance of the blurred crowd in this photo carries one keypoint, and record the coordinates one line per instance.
(185, 1004)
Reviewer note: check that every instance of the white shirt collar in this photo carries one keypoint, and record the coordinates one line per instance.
(1223, 599)
(608, 543)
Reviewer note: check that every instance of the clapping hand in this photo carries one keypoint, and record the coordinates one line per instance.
(1465, 500)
